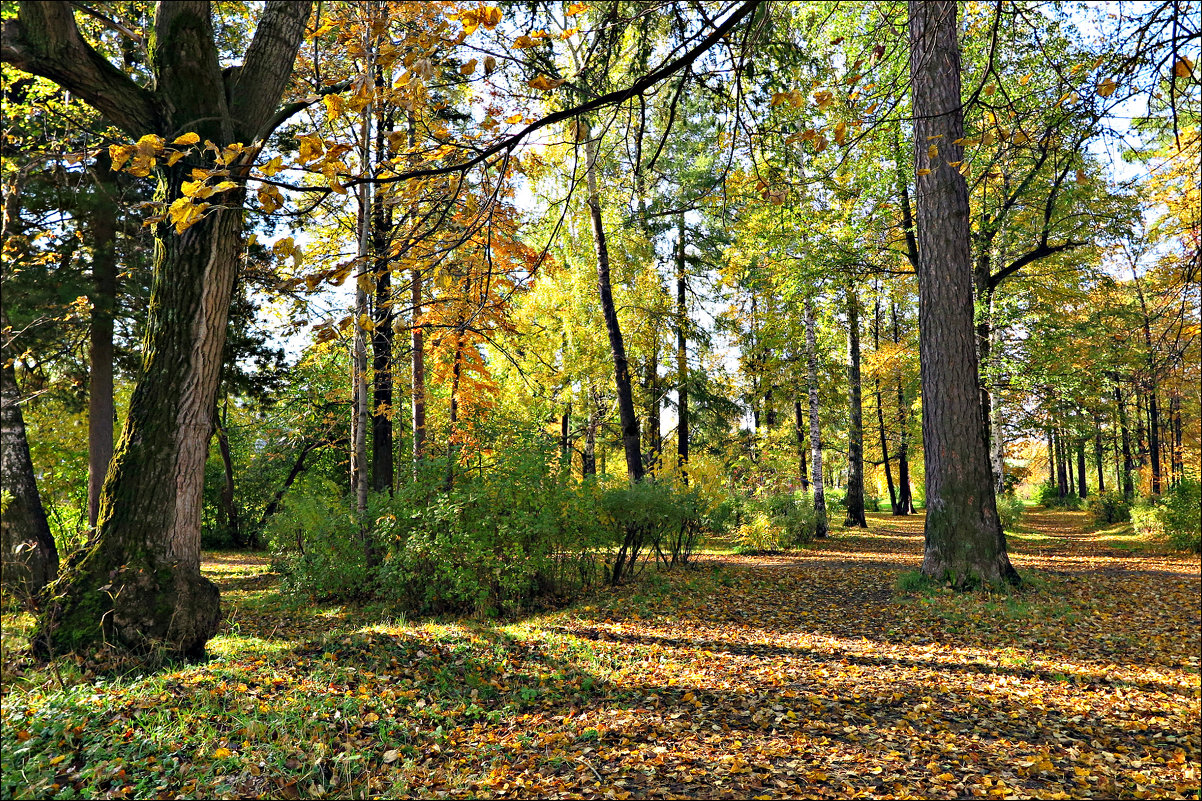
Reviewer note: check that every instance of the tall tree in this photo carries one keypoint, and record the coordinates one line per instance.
(140, 581)
(855, 432)
(965, 544)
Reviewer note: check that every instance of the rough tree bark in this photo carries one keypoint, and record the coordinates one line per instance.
(855, 432)
(964, 541)
(139, 582)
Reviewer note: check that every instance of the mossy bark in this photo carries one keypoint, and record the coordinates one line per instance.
(139, 584)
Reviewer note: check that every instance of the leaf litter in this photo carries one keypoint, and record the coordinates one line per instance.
(764, 677)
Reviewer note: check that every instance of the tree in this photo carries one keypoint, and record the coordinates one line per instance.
(964, 542)
(139, 582)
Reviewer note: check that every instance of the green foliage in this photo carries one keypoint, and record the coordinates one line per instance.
(1108, 508)
(1049, 497)
(1009, 510)
(316, 542)
(1173, 516)
(495, 541)
(777, 522)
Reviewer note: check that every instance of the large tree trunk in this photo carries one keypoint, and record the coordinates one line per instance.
(820, 524)
(139, 583)
(682, 360)
(964, 541)
(28, 557)
(855, 432)
(102, 225)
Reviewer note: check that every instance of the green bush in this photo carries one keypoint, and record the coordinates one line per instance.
(1009, 510)
(1173, 516)
(777, 522)
(1108, 508)
(494, 541)
(1049, 497)
(317, 541)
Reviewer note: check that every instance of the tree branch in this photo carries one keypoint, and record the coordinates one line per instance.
(44, 40)
(1043, 251)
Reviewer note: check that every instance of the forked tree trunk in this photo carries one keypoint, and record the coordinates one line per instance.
(855, 432)
(139, 583)
(964, 541)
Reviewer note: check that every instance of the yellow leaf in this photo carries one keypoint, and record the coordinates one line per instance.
(841, 133)
(924, 172)
(1023, 81)
(1106, 88)
(174, 157)
(490, 17)
(524, 41)
(273, 166)
(119, 154)
(366, 323)
(310, 147)
(574, 9)
(932, 151)
(225, 186)
(946, 777)
(544, 83)
(513, 118)
(189, 138)
(221, 753)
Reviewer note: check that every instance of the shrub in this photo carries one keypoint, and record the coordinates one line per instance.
(317, 543)
(1108, 508)
(1173, 516)
(1009, 510)
(1049, 497)
(777, 522)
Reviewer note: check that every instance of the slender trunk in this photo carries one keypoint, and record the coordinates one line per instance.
(565, 444)
(1082, 485)
(1154, 439)
(1062, 466)
(418, 366)
(1099, 455)
(855, 433)
(820, 526)
(1141, 448)
(905, 495)
(102, 225)
(588, 460)
(682, 363)
(453, 416)
(880, 412)
(1051, 458)
(359, 475)
(229, 505)
(298, 467)
(382, 444)
(1178, 432)
(964, 540)
(617, 347)
(654, 441)
(799, 426)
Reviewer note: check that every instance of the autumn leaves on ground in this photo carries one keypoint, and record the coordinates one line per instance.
(825, 672)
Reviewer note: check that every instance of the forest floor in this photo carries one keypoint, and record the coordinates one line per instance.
(806, 674)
